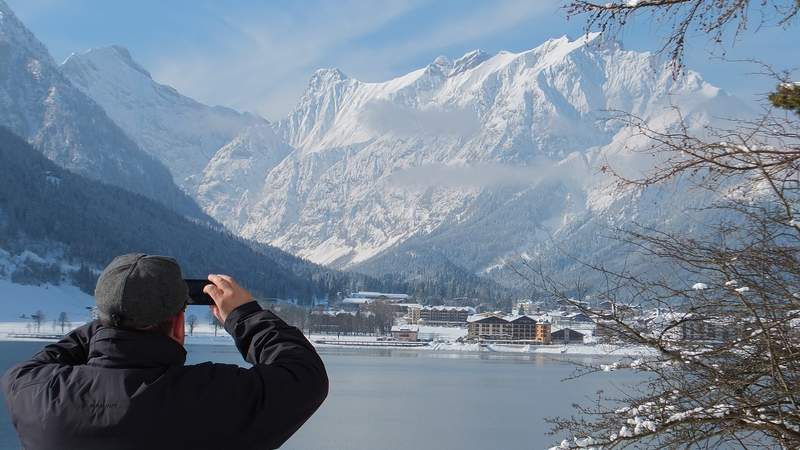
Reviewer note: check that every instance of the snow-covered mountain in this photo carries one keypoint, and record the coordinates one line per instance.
(183, 133)
(466, 163)
(41, 105)
(475, 160)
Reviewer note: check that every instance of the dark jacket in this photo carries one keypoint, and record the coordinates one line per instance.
(107, 388)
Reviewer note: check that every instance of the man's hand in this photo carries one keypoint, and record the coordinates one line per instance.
(227, 295)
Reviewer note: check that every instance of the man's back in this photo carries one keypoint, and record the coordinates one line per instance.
(105, 387)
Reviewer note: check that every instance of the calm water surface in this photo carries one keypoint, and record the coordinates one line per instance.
(411, 399)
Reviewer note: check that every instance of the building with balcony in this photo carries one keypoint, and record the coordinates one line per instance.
(516, 329)
(440, 315)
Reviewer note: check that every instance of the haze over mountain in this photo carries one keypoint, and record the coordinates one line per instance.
(38, 103)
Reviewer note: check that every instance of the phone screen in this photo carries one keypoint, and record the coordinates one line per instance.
(196, 294)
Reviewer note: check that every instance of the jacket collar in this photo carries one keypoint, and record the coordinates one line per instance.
(129, 349)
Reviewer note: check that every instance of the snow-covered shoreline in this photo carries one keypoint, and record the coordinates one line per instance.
(204, 335)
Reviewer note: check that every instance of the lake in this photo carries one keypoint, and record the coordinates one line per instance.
(416, 399)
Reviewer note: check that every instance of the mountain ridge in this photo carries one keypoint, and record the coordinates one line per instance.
(485, 157)
(537, 108)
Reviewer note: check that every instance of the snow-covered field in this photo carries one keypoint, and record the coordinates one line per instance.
(434, 333)
(17, 299)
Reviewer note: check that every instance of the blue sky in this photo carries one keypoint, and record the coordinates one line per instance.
(258, 55)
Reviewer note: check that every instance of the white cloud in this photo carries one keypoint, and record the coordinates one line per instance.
(494, 17)
(264, 56)
(265, 61)
(467, 28)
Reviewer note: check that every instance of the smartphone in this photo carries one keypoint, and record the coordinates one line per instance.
(196, 294)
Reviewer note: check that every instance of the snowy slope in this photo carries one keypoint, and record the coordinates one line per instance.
(183, 133)
(39, 104)
(478, 159)
(18, 300)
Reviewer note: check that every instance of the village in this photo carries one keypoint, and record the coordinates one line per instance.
(396, 320)
(375, 319)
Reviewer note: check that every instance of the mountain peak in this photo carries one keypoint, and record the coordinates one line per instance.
(556, 49)
(468, 61)
(472, 55)
(125, 55)
(113, 55)
(330, 74)
(593, 39)
(441, 65)
(441, 60)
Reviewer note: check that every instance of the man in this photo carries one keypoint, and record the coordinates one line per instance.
(121, 382)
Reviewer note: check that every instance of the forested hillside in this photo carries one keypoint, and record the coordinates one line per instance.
(78, 225)
(75, 226)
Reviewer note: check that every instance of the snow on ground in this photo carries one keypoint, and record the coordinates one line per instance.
(204, 335)
(454, 347)
(575, 349)
(27, 328)
(434, 333)
(17, 299)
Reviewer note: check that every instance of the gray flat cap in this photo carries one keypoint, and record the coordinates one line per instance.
(138, 291)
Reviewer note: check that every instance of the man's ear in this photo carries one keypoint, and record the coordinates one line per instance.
(178, 331)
